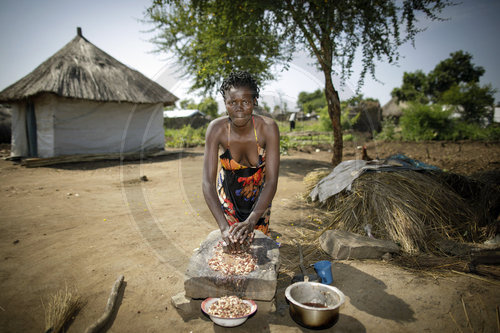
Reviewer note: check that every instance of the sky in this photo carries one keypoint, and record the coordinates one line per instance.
(31, 31)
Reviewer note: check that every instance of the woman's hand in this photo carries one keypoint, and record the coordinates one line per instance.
(226, 236)
(240, 232)
(231, 244)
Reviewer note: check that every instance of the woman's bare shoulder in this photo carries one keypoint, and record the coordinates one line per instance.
(267, 123)
(216, 131)
(218, 124)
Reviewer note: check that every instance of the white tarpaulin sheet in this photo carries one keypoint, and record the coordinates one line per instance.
(346, 172)
(67, 127)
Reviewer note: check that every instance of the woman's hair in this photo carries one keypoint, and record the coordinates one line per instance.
(239, 79)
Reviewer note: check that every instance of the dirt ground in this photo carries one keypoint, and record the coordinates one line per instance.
(82, 225)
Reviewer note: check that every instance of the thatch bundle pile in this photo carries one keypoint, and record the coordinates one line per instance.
(413, 209)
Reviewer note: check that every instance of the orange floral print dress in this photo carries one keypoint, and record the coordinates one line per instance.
(239, 187)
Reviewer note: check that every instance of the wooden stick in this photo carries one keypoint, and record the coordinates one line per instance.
(466, 314)
(101, 322)
(453, 318)
(38, 162)
(475, 277)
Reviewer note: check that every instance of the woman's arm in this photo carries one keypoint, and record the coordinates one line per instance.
(210, 162)
(240, 231)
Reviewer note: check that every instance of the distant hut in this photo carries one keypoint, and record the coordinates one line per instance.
(83, 101)
(179, 118)
(393, 109)
(368, 115)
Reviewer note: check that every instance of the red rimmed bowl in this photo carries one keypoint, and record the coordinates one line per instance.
(227, 322)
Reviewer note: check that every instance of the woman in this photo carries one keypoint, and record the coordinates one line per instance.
(240, 194)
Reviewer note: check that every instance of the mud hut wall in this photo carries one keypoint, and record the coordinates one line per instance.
(84, 127)
(19, 138)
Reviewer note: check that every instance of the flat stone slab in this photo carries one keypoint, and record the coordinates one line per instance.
(347, 245)
(182, 303)
(260, 285)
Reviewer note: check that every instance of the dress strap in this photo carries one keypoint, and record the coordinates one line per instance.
(256, 139)
(228, 133)
(255, 131)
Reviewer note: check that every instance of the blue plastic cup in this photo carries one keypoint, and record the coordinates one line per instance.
(324, 270)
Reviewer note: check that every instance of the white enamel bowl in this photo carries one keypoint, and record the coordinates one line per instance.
(227, 322)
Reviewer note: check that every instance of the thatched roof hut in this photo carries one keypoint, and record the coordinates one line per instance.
(81, 100)
(393, 109)
(179, 118)
(369, 116)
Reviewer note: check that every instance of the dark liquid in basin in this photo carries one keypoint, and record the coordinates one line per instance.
(315, 305)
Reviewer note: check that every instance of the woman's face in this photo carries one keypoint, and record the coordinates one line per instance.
(239, 105)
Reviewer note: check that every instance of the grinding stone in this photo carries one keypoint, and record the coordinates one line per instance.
(202, 282)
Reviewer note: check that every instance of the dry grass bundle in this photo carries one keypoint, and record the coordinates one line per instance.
(313, 177)
(410, 208)
(60, 308)
(482, 192)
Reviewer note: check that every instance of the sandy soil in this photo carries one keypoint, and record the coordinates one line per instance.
(81, 225)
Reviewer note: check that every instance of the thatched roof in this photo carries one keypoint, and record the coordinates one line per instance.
(393, 108)
(81, 70)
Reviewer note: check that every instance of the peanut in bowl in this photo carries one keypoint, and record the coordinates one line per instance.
(223, 312)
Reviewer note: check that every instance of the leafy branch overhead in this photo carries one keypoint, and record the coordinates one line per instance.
(214, 37)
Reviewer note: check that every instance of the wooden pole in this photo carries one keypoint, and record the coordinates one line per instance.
(102, 321)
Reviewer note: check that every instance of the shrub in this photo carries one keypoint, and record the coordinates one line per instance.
(388, 131)
(462, 130)
(425, 122)
(324, 120)
(348, 137)
(185, 137)
(286, 144)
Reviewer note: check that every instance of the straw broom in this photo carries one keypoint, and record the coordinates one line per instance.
(61, 307)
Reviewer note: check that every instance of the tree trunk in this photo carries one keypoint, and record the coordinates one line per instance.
(332, 98)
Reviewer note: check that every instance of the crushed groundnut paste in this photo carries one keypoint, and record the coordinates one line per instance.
(232, 263)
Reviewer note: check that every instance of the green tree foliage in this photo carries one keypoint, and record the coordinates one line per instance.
(433, 122)
(454, 81)
(214, 37)
(188, 104)
(456, 69)
(415, 87)
(209, 106)
(311, 102)
(475, 102)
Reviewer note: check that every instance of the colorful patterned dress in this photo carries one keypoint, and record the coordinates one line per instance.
(239, 187)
